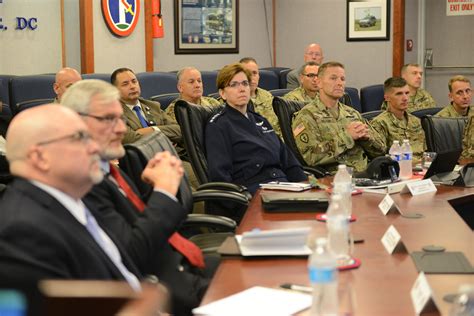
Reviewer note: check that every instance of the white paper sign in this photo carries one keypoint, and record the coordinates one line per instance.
(420, 187)
(387, 205)
(421, 295)
(459, 7)
(392, 240)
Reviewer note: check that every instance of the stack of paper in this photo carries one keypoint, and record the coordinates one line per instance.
(286, 186)
(257, 301)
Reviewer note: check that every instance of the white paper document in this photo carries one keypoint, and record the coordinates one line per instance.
(257, 301)
(277, 242)
(286, 186)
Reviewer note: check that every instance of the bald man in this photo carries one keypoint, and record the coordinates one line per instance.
(313, 52)
(65, 78)
(190, 89)
(49, 230)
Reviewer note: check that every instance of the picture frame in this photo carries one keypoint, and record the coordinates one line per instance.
(368, 20)
(206, 26)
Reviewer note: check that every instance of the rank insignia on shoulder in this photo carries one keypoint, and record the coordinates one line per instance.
(298, 129)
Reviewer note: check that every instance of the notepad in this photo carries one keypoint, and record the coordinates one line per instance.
(257, 301)
(286, 186)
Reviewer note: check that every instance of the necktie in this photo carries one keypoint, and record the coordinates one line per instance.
(93, 228)
(138, 111)
(181, 244)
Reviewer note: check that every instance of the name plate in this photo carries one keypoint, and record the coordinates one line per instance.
(392, 241)
(421, 296)
(387, 205)
(420, 187)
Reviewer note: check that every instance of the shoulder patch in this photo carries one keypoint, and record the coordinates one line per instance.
(215, 117)
(304, 138)
(298, 129)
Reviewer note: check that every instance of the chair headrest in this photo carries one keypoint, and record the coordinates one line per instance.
(379, 169)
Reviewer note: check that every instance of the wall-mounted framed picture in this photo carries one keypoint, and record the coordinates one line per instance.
(206, 26)
(368, 20)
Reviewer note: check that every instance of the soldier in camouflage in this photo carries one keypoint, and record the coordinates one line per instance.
(328, 133)
(460, 95)
(419, 98)
(190, 89)
(468, 140)
(308, 89)
(396, 123)
(261, 99)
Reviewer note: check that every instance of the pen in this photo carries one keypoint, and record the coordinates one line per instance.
(296, 287)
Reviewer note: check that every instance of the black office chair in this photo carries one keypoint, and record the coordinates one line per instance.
(165, 99)
(443, 134)
(279, 92)
(370, 115)
(284, 109)
(346, 99)
(5, 175)
(31, 103)
(355, 99)
(429, 111)
(371, 97)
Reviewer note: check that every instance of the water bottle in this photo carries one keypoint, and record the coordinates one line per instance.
(338, 230)
(406, 163)
(322, 266)
(463, 304)
(395, 151)
(343, 187)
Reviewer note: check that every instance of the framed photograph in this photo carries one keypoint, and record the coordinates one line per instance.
(206, 26)
(368, 20)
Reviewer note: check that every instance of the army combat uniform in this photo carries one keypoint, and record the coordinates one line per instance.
(391, 128)
(323, 139)
(262, 104)
(450, 111)
(299, 94)
(208, 101)
(421, 100)
(468, 140)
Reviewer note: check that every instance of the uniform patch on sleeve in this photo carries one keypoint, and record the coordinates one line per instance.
(298, 129)
(304, 138)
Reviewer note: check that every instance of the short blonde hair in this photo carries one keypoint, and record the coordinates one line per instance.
(228, 72)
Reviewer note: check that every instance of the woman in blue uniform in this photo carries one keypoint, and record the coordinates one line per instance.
(241, 146)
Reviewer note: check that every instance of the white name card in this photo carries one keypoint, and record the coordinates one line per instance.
(392, 241)
(387, 205)
(420, 187)
(421, 296)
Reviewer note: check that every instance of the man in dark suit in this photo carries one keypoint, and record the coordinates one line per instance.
(96, 101)
(44, 221)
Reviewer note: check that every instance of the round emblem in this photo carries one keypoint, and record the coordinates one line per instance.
(121, 16)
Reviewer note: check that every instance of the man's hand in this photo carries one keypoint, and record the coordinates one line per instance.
(164, 172)
(358, 130)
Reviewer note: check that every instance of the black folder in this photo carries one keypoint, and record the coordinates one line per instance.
(283, 202)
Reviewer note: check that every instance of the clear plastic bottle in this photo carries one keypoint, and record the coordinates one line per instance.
(463, 304)
(322, 266)
(343, 187)
(338, 229)
(395, 151)
(406, 162)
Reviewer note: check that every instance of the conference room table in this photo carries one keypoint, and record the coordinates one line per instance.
(382, 284)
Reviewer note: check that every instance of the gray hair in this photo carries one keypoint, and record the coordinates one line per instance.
(181, 71)
(79, 95)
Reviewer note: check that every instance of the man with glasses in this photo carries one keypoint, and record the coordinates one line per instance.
(48, 227)
(329, 133)
(313, 52)
(309, 84)
(460, 95)
(146, 229)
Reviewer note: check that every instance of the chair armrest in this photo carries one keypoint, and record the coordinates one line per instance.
(318, 172)
(210, 220)
(218, 195)
(225, 186)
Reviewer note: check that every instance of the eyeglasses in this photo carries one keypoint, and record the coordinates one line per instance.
(311, 76)
(461, 93)
(108, 120)
(79, 136)
(235, 84)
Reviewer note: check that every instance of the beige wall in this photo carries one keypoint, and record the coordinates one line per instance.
(26, 52)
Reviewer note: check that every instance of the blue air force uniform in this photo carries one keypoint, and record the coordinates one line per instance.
(246, 150)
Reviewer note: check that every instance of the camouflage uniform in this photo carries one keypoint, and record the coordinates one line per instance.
(391, 128)
(324, 141)
(262, 104)
(450, 111)
(468, 140)
(421, 100)
(204, 101)
(299, 94)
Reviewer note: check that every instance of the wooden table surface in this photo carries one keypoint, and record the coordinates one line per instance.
(382, 284)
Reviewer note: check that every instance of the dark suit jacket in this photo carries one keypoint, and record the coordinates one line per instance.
(185, 283)
(45, 238)
(155, 116)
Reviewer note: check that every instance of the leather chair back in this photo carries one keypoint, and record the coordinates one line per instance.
(31, 103)
(429, 111)
(100, 76)
(355, 99)
(282, 78)
(155, 83)
(279, 92)
(25, 88)
(371, 114)
(193, 120)
(269, 80)
(443, 134)
(165, 99)
(209, 79)
(371, 97)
